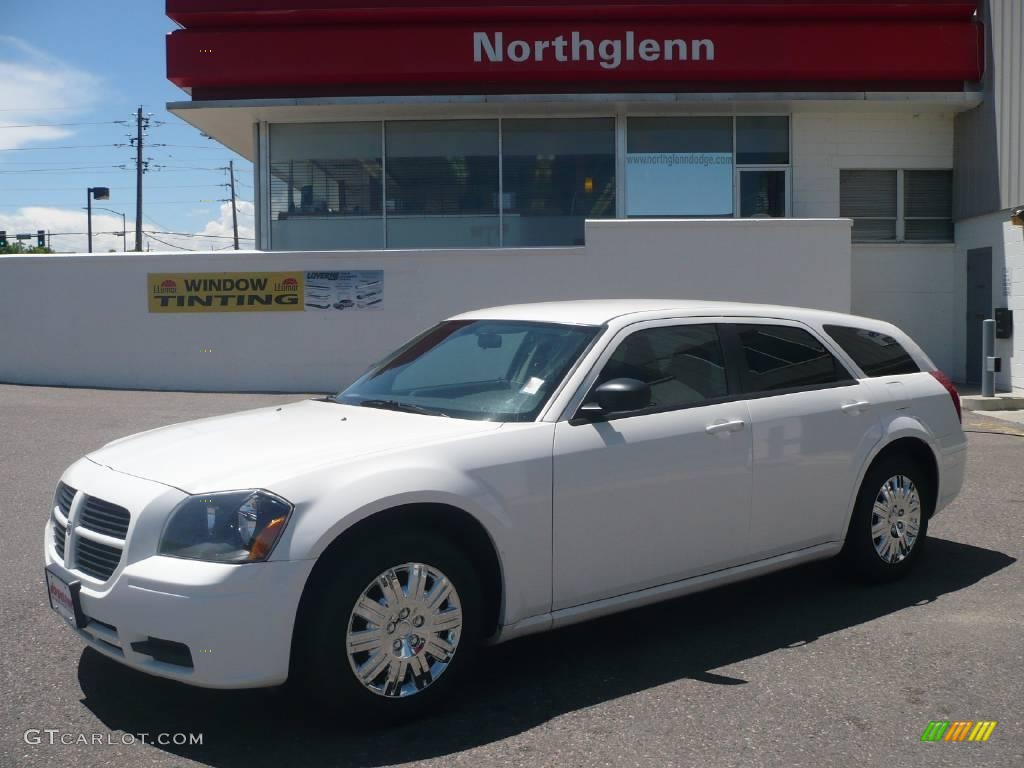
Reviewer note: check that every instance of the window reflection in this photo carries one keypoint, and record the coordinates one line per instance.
(556, 174)
(325, 186)
(442, 183)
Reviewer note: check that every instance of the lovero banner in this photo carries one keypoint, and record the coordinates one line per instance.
(347, 290)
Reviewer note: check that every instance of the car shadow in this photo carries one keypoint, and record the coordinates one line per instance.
(531, 680)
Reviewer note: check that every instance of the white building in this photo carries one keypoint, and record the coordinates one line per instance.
(473, 154)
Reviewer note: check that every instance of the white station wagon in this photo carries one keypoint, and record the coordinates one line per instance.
(508, 471)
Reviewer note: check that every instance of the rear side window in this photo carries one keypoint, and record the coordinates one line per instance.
(779, 357)
(683, 364)
(875, 353)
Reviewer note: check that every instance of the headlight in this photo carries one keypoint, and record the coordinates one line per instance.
(233, 527)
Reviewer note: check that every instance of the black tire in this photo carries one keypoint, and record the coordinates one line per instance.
(320, 655)
(859, 553)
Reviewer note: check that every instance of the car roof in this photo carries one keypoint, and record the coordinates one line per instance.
(602, 311)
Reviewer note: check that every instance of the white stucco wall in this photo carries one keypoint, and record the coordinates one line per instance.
(918, 287)
(83, 320)
(1007, 243)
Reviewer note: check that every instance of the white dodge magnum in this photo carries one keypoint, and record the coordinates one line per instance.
(508, 471)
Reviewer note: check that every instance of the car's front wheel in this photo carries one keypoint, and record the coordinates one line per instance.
(890, 520)
(395, 627)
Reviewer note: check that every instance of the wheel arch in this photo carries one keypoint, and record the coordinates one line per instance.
(466, 530)
(913, 443)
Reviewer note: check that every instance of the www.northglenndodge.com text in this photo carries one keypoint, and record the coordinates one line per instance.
(573, 47)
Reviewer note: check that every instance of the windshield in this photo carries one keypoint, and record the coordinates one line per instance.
(489, 370)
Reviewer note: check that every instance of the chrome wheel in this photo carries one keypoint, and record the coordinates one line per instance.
(896, 519)
(404, 630)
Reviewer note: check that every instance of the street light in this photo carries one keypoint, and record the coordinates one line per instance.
(124, 231)
(91, 193)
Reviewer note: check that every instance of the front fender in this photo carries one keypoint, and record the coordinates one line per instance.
(503, 483)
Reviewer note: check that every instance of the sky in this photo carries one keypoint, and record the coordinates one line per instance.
(72, 74)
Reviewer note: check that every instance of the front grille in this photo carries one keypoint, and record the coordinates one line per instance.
(93, 519)
(104, 517)
(63, 498)
(59, 533)
(62, 501)
(95, 559)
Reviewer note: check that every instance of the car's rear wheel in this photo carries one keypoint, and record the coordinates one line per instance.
(396, 626)
(890, 520)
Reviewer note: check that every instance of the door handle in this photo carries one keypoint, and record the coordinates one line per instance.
(720, 427)
(856, 406)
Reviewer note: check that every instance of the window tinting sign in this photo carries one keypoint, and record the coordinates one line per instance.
(225, 292)
(350, 290)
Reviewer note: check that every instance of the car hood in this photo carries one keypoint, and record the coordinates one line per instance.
(256, 449)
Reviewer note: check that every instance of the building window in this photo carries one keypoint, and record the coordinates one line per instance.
(928, 206)
(556, 174)
(442, 183)
(679, 166)
(762, 141)
(762, 193)
(869, 198)
(898, 206)
(325, 186)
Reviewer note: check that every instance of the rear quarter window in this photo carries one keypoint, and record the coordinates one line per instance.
(877, 354)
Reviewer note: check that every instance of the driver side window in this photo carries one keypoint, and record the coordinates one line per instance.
(683, 364)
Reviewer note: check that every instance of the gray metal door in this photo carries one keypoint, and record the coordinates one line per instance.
(979, 306)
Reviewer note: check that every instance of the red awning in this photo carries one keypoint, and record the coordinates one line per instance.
(261, 48)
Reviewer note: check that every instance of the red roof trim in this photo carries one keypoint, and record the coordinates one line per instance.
(236, 13)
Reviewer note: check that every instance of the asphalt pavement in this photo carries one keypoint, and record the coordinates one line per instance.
(800, 668)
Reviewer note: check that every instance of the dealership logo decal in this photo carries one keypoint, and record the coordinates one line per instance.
(493, 48)
(958, 730)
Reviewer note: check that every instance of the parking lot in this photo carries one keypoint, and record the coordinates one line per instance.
(801, 668)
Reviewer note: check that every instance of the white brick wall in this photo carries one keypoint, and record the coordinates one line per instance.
(825, 143)
(917, 287)
(1013, 253)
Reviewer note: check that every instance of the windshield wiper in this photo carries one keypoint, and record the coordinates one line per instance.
(394, 405)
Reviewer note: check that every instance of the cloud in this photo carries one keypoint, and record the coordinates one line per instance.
(36, 87)
(58, 221)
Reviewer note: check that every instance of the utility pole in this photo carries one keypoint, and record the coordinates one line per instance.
(234, 203)
(140, 124)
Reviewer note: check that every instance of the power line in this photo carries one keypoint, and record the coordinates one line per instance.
(65, 170)
(81, 234)
(164, 242)
(200, 234)
(192, 146)
(61, 125)
(66, 146)
(6, 162)
(78, 189)
(63, 206)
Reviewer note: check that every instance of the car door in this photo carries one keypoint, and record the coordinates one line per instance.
(812, 425)
(657, 495)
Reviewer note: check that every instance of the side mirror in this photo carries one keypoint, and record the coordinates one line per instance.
(617, 396)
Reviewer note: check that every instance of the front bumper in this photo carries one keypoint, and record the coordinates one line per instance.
(236, 620)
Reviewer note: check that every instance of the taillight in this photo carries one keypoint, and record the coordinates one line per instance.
(943, 379)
